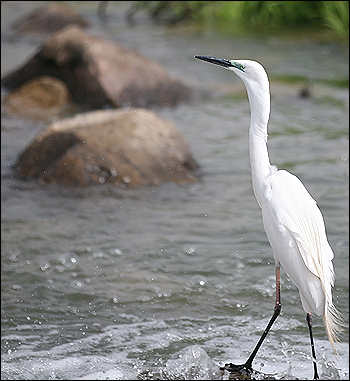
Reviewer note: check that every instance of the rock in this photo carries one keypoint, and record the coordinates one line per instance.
(304, 92)
(40, 98)
(49, 18)
(125, 147)
(193, 364)
(101, 73)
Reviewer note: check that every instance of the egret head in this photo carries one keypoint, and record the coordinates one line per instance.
(248, 71)
(255, 79)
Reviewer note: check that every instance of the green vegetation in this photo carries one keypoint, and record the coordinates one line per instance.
(336, 16)
(295, 79)
(255, 16)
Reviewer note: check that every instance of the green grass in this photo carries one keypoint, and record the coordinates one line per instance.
(272, 17)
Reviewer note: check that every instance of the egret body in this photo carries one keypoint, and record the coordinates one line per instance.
(292, 220)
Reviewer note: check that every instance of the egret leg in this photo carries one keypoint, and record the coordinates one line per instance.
(309, 323)
(276, 312)
(247, 366)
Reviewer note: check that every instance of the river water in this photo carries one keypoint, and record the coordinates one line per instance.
(159, 282)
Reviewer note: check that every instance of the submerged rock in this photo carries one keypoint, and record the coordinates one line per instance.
(101, 73)
(125, 147)
(49, 18)
(40, 98)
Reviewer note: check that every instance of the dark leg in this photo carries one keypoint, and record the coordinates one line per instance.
(276, 312)
(309, 323)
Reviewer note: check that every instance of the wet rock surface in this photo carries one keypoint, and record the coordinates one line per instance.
(49, 18)
(40, 98)
(100, 73)
(126, 147)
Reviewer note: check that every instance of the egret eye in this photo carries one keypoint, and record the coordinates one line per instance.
(238, 65)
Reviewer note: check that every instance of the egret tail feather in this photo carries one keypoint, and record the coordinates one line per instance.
(334, 325)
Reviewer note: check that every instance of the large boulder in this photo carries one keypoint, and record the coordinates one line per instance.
(101, 73)
(49, 18)
(126, 147)
(41, 98)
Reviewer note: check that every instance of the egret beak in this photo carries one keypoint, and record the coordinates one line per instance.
(217, 61)
(222, 62)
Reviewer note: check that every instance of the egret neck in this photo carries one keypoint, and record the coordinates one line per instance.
(259, 100)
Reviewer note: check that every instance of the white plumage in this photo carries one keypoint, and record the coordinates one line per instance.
(292, 220)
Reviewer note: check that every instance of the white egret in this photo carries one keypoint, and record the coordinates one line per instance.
(291, 218)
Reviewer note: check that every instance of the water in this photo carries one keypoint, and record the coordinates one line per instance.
(169, 282)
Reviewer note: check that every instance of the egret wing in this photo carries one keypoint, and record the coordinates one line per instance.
(295, 210)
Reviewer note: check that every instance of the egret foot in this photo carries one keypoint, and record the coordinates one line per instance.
(238, 372)
(245, 372)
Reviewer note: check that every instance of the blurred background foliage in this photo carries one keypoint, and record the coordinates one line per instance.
(331, 17)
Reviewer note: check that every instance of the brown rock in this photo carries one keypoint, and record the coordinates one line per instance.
(49, 18)
(125, 147)
(40, 98)
(100, 73)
